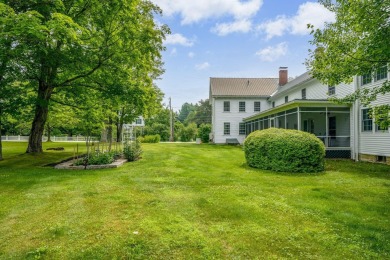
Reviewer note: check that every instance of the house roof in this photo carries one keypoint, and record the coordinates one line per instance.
(239, 87)
(291, 84)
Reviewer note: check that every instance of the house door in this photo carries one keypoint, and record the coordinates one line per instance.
(332, 126)
(332, 130)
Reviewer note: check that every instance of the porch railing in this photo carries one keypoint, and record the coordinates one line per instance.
(336, 141)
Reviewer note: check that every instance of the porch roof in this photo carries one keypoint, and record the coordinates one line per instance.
(294, 104)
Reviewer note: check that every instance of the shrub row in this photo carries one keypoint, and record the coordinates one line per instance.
(149, 139)
(284, 150)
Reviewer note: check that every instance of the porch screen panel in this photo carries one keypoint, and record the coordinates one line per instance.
(266, 123)
(313, 120)
(339, 127)
(281, 120)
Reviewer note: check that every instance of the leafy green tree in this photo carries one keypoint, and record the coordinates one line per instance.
(188, 133)
(201, 114)
(204, 132)
(63, 44)
(357, 43)
(185, 110)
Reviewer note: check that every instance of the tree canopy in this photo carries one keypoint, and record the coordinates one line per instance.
(357, 43)
(80, 49)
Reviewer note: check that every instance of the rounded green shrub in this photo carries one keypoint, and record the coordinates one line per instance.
(284, 150)
(204, 132)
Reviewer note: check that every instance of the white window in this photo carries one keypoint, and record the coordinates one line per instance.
(381, 73)
(273, 104)
(366, 120)
(242, 129)
(366, 78)
(138, 121)
(331, 90)
(257, 106)
(285, 99)
(226, 128)
(303, 93)
(226, 106)
(241, 106)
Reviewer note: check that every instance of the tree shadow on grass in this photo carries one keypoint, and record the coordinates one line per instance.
(295, 174)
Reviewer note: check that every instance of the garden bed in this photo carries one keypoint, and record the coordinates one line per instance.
(68, 165)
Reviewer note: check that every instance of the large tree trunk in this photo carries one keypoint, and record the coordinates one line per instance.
(38, 124)
(119, 126)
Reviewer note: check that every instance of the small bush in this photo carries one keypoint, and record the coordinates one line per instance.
(188, 133)
(204, 132)
(284, 150)
(97, 158)
(149, 139)
(132, 151)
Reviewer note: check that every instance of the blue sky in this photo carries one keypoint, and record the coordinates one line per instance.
(233, 38)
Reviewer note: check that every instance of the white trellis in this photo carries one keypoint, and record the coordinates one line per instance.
(127, 133)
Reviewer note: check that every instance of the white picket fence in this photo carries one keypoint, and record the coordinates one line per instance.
(21, 138)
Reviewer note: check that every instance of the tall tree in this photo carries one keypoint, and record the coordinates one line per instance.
(69, 41)
(185, 110)
(201, 114)
(357, 43)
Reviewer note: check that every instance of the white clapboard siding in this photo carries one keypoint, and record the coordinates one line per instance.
(374, 142)
(314, 90)
(234, 117)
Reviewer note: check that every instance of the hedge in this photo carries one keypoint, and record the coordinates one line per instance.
(149, 139)
(284, 150)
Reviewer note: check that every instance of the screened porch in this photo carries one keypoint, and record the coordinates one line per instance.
(331, 123)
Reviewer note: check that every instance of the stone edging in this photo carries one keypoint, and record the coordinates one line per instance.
(68, 165)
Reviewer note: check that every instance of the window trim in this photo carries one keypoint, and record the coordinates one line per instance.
(331, 90)
(378, 72)
(226, 128)
(240, 108)
(226, 106)
(366, 79)
(241, 128)
(303, 93)
(259, 106)
(366, 127)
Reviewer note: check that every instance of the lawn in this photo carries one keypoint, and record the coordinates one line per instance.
(188, 201)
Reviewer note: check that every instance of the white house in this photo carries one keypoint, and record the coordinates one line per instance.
(232, 100)
(303, 104)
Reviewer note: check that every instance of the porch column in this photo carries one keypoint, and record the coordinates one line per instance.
(299, 119)
(285, 119)
(326, 127)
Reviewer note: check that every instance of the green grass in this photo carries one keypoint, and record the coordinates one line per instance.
(187, 201)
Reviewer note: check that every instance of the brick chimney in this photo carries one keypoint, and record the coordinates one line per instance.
(283, 76)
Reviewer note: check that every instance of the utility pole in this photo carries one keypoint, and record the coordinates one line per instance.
(171, 139)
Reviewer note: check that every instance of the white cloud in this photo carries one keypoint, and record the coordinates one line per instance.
(173, 52)
(239, 12)
(272, 53)
(178, 39)
(195, 11)
(308, 13)
(203, 66)
(191, 54)
(223, 29)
